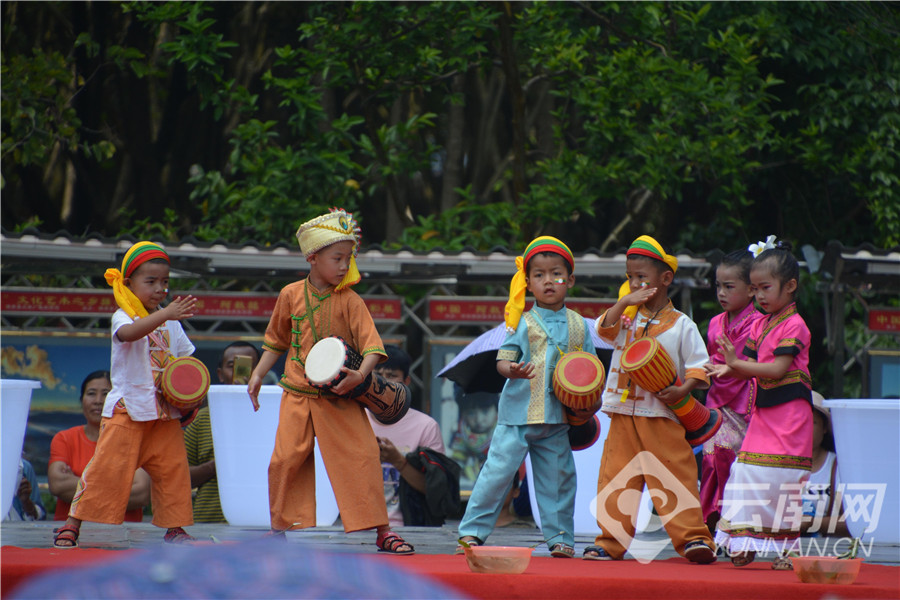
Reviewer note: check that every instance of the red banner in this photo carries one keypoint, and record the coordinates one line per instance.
(885, 320)
(209, 306)
(448, 309)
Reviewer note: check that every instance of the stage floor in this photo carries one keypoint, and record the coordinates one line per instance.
(427, 540)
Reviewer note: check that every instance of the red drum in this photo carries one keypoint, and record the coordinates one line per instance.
(324, 362)
(389, 401)
(184, 383)
(578, 383)
(651, 367)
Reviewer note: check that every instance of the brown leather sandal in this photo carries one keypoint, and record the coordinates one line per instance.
(742, 559)
(66, 533)
(177, 535)
(392, 543)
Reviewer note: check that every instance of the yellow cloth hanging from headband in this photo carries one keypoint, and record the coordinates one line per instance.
(137, 255)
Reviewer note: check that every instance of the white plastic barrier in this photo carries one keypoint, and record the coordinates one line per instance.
(243, 441)
(867, 437)
(15, 401)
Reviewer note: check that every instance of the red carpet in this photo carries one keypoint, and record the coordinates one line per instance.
(550, 577)
(659, 580)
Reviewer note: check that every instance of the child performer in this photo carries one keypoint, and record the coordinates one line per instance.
(139, 429)
(732, 396)
(306, 311)
(763, 492)
(646, 442)
(530, 418)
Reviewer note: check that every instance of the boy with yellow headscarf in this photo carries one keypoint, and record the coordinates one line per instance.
(646, 442)
(138, 427)
(530, 418)
(319, 306)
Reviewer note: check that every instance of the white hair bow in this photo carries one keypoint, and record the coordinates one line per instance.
(756, 249)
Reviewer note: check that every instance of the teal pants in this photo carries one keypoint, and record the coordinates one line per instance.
(553, 470)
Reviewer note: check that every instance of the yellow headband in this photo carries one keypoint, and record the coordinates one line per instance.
(516, 304)
(137, 255)
(325, 230)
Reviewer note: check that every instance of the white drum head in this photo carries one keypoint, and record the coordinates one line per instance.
(324, 361)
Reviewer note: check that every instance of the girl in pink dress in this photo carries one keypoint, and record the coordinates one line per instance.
(762, 502)
(732, 396)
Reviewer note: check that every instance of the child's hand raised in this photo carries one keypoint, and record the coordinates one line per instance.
(521, 370)
(727, 350)
(639, 296)
(180, 308)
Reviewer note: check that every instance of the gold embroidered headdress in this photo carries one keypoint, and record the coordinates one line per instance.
(336, 226)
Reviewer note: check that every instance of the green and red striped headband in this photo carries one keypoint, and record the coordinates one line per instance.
(139, 254)
(547, 243)
(647, 246)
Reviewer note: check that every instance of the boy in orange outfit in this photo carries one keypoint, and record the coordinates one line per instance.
(306, 311)
(139, 429)
(646, 441)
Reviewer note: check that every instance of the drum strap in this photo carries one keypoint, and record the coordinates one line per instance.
(309, 312)
(159, 358)
(577, 330)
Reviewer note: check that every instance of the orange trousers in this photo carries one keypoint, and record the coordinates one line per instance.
(124, 446)
(350, 453)
(649, 450)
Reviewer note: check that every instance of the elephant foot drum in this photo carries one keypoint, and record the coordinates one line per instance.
(651, 367)
(325, 359)
(389, 401)
(184, 383)
(578, 380)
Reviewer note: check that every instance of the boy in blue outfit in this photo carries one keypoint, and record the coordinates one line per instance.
(531, 419)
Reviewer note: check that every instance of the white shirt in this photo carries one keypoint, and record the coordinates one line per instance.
(132, 377)
(820, 488)
(682, 341)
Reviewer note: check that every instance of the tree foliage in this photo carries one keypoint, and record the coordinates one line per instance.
(452, 124)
